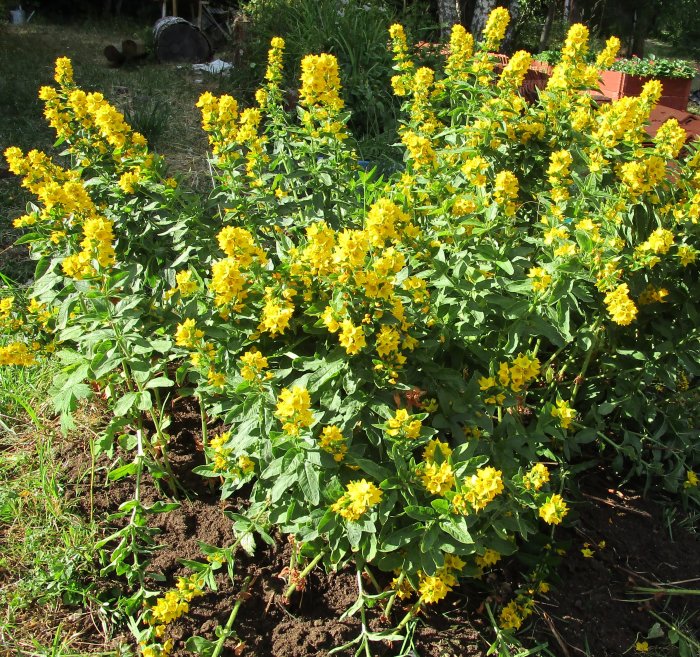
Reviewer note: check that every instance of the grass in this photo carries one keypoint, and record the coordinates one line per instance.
(48, 571)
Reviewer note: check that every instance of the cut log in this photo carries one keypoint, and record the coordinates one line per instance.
(177, 40)
(133, 49)
(114, 56)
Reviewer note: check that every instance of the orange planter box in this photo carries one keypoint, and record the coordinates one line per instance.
(675, 91)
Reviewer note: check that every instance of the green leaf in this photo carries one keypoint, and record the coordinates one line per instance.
(200, 646)
(123, 405)
(144, 401)
(371, 468)
(309, 483)
(123, 471)
(458, 529)
(160, 382)
(420, 512)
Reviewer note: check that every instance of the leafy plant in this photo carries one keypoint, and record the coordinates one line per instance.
(406, 364)
(656, 67)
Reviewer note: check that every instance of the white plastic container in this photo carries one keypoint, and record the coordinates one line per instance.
(18, 16)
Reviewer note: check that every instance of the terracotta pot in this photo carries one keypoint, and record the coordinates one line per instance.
(675, 91)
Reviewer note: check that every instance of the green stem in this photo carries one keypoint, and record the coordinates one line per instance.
(373, 579)
(312, 564)
(392, 599)
(232, 617)
(137, 496)
(205, 433)
(362, 613)
(586, 362)
(676, 629)
(411, 613)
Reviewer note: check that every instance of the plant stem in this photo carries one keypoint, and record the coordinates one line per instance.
(411, 613)
(205, 434)
(390, 604)
(373, 579)
(312, 564)
(229, 623)
(362, 613)
(586, 362)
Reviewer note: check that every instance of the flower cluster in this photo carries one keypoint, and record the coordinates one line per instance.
(359, 497)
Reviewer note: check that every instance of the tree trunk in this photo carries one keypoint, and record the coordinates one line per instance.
(482, 10)
(547, 27)
(448, 14)
(513, 27)
(645, 15)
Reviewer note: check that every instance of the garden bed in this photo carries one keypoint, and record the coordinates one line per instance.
(593, 600)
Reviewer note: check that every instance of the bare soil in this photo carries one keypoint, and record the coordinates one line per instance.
(593, 600)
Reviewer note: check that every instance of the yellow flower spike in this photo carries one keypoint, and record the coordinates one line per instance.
(294, 409)
(510, 617)
(606, 57)
(187, 334)
(461, 51)
(515, 71)
(619, 305)
(437, 479)
(63, 71)
(537, 477)
(495, 29)
(320, 82)
(553, 510)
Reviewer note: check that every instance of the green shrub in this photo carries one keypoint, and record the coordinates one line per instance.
(407, 365)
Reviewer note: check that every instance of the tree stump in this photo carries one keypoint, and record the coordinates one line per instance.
(177, 40)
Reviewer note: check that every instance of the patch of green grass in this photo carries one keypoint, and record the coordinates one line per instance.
(47, 563)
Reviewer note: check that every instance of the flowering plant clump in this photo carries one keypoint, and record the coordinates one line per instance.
(404, 364)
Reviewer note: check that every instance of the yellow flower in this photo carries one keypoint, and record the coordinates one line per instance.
(294, 406)
(253, 364)
(691, 480)
(185, 285)
(541, 279)
(276, 316)
(481, 488)
(433, 446)
(495, 29)
(641, 646)
(553, 510)
(64, 71)
(402, 425)
(511, 618)
(351, 337)
(606, 57)
(515, 70)
(359, 497)
(333, 442)
(564, 412)
(461, 50)
(620, 307)
(16, 353)
(216, 379)
(432, 588)
(320, 82)
(489, 558)
(437, 479)
(187, 334)
(537, 477)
